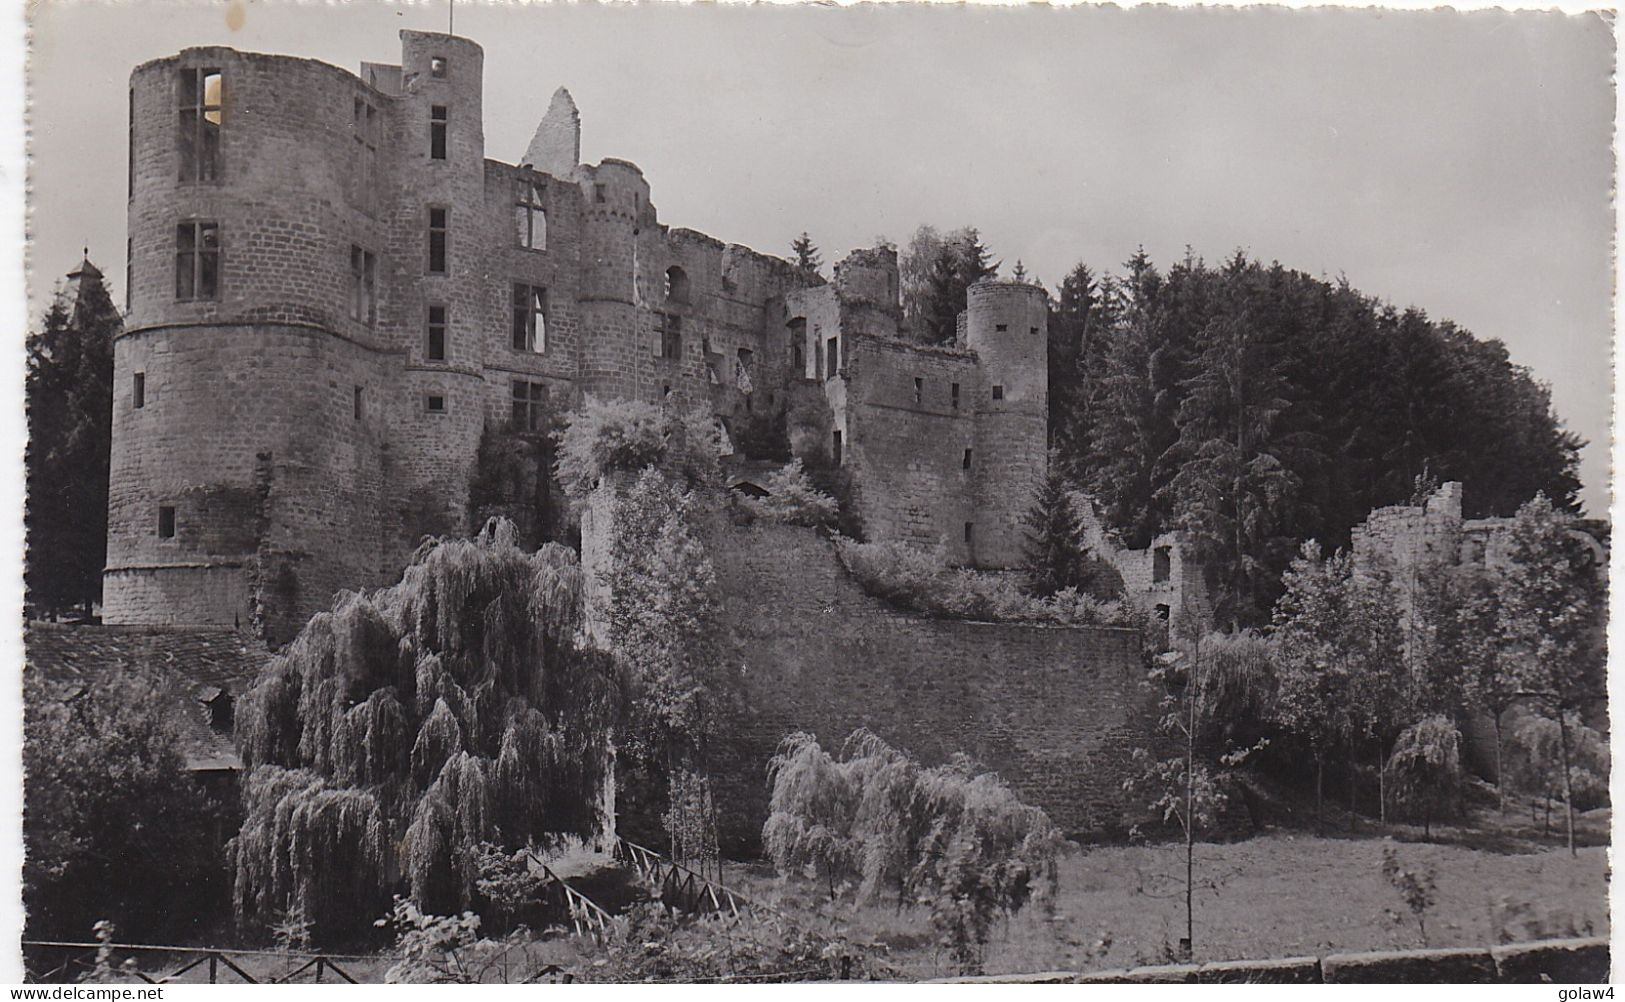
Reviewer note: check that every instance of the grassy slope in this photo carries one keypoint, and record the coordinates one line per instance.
(1278, 895)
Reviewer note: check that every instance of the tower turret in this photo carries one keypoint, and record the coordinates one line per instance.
(1006, 324)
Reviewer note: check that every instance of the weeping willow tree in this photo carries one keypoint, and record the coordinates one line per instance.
(408, 725)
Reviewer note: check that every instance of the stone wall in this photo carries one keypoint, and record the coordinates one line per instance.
(1056, 711)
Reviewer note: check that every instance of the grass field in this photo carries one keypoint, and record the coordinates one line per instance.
(1276, 895)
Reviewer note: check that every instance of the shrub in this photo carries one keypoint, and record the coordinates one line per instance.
(114, 826)
(1534, 762)
(793, 500)
(629, 435)
(922, 582)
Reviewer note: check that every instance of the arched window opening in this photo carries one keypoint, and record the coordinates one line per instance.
(676, 285)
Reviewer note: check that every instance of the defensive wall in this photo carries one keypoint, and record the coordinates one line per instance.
(1056, 711)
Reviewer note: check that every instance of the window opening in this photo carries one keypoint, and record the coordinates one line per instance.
(919, 389)
(530, 218)
(166, 522)
(671, 335)
(437, 132)
(529, 318)
(197, 260)
(529, 405)
(200, 113)
(835, 447)
(998, 392)
(436, 404)
(436, 348)
(438, 67)
(138, 390)
(437, 241)
(363, 286)
(1161, 564)
(676, 285)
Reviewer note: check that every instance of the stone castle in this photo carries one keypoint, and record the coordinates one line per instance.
(334, 293)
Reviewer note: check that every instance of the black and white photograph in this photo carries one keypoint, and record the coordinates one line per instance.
(664, 493)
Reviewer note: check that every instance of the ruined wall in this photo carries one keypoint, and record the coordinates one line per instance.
(1055, 711)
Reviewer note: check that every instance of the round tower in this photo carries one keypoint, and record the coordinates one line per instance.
(1006, 325)
(620, 347)
(275, 274)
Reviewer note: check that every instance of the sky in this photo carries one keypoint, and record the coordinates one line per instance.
(1457, 162)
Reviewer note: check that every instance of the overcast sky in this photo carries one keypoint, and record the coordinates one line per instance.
(1461, 163)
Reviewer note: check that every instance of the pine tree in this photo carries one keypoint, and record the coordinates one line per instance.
(808, 259)
(1057, 557)
(69, 394)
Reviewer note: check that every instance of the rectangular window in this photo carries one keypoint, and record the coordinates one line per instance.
(529, 318)
(166, 522)
(365, 129)
(599, 194)
(835, 448)
(1032, 330)
(998, 392)
(438, 66)
(435, 404)
(970, 532)
(529, 405)
(199, 140)
(363, 286)
(966, 463)
(437, 241)
(1001, 328)
(530, 219)
(138, 390)
(1161, 564)
(197, 260)
(954, 393)
(832, 364)
(919, 389)
(437, 132)
(671, 335)
(359, 410)
(435, 349)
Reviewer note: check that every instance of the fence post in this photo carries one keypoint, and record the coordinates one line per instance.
(214, 967)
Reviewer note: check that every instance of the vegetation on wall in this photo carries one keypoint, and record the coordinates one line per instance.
(407, 726)
(69, 400)
(625, 436)
(792, 499)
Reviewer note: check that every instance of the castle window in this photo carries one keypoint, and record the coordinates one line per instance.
(437, 132)
(599, 194)
(676, 285)
(197, 260)
(954, 394)
(435, 404)
(998, 392)
(200, 124)
(366, 141)
(438, 67)
(138, 390)
(742, 373)
(671, 335)
(1163, 612)
(832, 362)
(166, 522)
(1161, 564)
(970, 533)
(363, 286)
(665, 390)
(530, 218)
(835, 447)
(529, 405)
(529, 318)
(1033, 331)
(356, 401)
(919, 389)
(965, 464)
(435, 349)
(437, 241)
(798, 347)
(1001, 328)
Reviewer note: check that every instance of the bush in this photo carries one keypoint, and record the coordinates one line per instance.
(629, 435)
(922, 582)
(1534, 762)
(114, 826)
(793, 500)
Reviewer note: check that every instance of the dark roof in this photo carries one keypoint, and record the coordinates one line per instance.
(201, 662)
